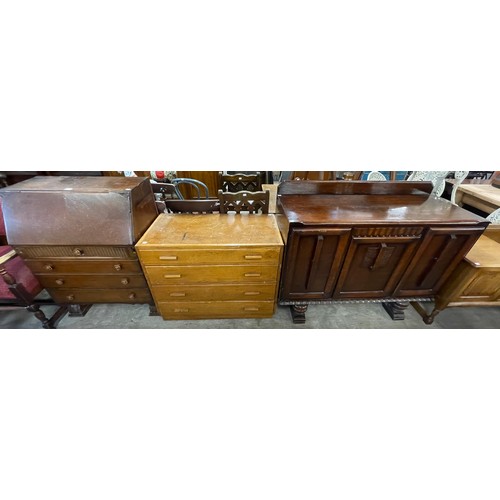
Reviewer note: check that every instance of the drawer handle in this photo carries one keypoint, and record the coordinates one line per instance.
(253, 257)
(181, 310)
(70, 297)
(171, 275)
(168, 257)
(132, 296)
(177, 294)
(78, 251)
(251, 309)
(49, 267)
(251, 293)
(252, 275)
(60, 282)
(118, 267)
(125, 281)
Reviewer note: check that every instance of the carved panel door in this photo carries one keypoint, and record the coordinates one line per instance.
(313, 261)
(375, 261)
(440, 252)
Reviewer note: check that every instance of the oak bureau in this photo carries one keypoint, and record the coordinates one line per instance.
(77, 235)
(388, 242)
(212, 265)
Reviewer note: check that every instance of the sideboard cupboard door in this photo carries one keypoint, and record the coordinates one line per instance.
(437, 256)
(313, 262)
(374, 265)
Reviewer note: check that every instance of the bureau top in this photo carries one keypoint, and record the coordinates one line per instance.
(211, 230)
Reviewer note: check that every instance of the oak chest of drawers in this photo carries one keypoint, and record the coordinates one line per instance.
(213, 265)
(77, 235)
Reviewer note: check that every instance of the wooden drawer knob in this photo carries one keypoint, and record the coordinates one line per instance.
(78, 252)
(118, 267)
(48, 267)
(125, 281)
(71, 297)
(60, 282)
(132, 296)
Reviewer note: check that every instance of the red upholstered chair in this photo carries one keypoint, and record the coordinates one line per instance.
(18, 286)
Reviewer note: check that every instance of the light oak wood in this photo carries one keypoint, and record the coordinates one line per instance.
(212, 266)
(485, 197)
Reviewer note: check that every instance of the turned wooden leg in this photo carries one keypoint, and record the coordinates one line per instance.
(77, 310)
(39, 314)
(429, 318)
(299, 313)
(396, 310)
(153, 311)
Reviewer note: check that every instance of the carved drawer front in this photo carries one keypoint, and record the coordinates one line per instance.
(247, 255)
(164, 275)
(90, 296)
(195, 310)
(182, 293)
(92, 281)
(53, 266)
(77, 251)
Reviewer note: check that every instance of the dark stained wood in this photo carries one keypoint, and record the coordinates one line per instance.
(244, 201)
(363, 241)
(192, 206)
(240, 182)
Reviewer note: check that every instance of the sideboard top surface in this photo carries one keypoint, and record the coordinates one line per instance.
(190, 230)
(369, 209)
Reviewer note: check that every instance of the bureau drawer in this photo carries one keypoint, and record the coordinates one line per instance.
(182, 293)
(248, 255)
(164, 275)
(94, 296)
(80, 252)
(51, 266)
(92, 281)
(216, 310)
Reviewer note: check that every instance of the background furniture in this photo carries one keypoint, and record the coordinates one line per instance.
(240, 182)
(212, 265)
(192, 206)
(483, 197)
(475, 281)
(77, 235)
(244, 201)
(388, 242)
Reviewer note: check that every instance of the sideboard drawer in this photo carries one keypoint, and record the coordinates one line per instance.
(164, 275)
(181, 293)
(92, 281)
(222, 256)
(195, 310)
(91, 296)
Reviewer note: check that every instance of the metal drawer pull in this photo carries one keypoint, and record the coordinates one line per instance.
(253, 257)
(49, 267)
(177, 294)
(118, 267)
(132, 296)
(78, 251)
(171, 275)
(252, 275)
(251, 309)
(125, 281)
(251, 293)
(168, 257)
(71, 297)
(181, 310)
(60, 282)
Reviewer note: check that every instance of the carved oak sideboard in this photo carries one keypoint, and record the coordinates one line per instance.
(388, 242)
(77, 235)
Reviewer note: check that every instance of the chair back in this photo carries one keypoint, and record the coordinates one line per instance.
(438, 179)
(195, 183)
(240, 182)
(244, 201)
(494, 217)
(192, 206)
(376, 176)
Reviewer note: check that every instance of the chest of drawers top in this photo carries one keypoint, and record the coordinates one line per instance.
(193, 232)
(78, 210)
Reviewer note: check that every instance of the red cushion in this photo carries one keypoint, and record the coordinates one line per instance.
(2, 223)
(21, 273)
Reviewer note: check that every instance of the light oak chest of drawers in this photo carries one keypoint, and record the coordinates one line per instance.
(212, 266)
